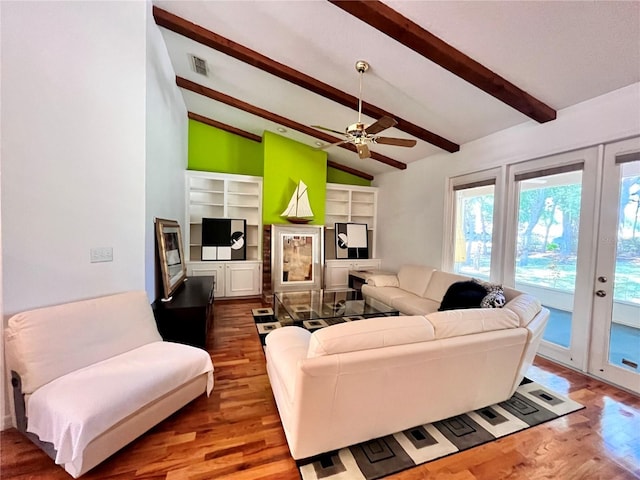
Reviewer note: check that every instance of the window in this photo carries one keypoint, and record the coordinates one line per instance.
(472, 233)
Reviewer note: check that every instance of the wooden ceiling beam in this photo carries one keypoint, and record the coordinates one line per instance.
(350, 170)
(279, 119)
(413, 36)
(229, 47)
(223, 126)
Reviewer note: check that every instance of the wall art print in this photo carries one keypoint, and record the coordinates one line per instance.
(224, 239)
(352, 240)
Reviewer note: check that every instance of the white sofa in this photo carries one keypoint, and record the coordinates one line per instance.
(416, 289)
(91, 376)
(355, 381)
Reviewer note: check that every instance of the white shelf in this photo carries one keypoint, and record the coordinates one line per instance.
(351, 204)
(218, 195)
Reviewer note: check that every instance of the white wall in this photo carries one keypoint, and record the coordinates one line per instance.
(166, 143)
(73, 141)
(93, 147)
(411, 202)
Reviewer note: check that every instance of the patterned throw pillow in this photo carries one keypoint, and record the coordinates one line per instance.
(494, 297)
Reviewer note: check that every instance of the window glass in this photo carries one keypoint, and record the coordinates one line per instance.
(473, 231)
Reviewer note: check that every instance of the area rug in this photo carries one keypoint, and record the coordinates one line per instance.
(266, 322)
(531, 405)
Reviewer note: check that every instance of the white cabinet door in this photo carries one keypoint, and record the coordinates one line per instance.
(242, 279)
(206, 269)
(337, 275)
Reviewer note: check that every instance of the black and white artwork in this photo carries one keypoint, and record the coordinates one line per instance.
(352, 240)
(224, 239)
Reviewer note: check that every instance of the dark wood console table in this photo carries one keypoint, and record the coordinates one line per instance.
(189, 315)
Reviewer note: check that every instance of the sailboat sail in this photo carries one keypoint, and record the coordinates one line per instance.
(299, 206)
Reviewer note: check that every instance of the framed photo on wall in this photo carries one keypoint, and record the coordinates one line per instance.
(170, 255)
(297, 257)
(352, 240)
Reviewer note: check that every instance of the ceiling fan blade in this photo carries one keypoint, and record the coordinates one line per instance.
(327, 129)
(380, 125)
(363, 151)
(398, 142)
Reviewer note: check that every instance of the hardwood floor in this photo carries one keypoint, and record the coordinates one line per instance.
(236, 433)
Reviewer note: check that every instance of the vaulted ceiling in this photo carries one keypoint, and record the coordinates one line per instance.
(448, 72)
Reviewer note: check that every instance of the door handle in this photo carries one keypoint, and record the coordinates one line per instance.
(602, 279)
(601, 293)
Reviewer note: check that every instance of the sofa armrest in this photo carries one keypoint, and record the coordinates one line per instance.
(285, 348)
(383, 280)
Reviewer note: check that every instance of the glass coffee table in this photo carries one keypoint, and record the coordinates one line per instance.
(313, 309)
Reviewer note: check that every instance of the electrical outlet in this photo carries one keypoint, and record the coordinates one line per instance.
(101, 254)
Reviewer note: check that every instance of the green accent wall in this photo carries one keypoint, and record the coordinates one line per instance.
(285, 163)
(338, 176)
(214, 150)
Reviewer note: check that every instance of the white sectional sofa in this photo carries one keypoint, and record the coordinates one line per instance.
(355, 381)
(91, 376)
(416, 289)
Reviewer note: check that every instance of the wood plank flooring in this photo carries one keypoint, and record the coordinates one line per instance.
(236, 433)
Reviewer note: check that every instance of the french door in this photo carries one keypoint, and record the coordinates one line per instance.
(550, 239)
(615, 332)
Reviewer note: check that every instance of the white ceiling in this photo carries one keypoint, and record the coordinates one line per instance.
(560, 52)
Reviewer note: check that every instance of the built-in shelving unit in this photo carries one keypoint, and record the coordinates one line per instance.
(214, 195)
(217, 195)
(348, 204)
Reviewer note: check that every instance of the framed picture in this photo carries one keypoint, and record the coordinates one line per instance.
(352, 240)
(224, 239)
(170, 255)
(296, 257)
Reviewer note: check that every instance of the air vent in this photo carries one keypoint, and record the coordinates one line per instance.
(199, 65)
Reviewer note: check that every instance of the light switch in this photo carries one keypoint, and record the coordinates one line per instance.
(101, 254)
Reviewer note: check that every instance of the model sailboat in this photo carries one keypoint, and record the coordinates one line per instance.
(299, 209)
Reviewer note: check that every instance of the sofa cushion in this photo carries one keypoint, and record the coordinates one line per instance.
(414, 305)
(46, 343)
(454, 323)
(73, 409)
(525, 306)
(368, 334)
(415, 278)
(440, 282)
(384, 294)
(383, 280)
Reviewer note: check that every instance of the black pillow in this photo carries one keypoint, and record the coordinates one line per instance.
(467, 294)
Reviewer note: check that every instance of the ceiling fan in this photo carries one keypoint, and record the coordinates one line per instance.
(362, 135)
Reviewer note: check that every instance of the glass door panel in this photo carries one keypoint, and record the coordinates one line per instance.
(616, 319)
(547, 246)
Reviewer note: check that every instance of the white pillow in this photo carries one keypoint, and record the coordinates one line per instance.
(383, 281)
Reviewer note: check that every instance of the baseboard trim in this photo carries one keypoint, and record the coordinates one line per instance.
(6, 422)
